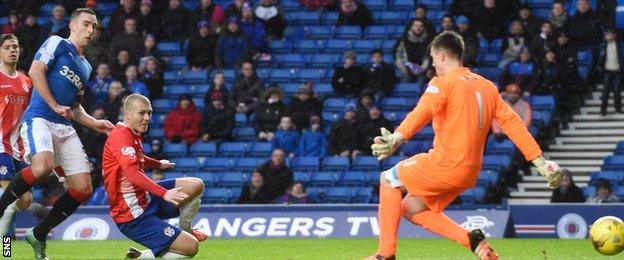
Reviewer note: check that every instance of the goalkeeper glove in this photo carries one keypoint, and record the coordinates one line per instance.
(383, 146)
(550, 170)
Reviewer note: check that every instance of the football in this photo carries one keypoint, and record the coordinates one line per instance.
(607, 235)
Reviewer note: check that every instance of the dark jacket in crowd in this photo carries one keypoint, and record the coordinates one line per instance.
(471, 44)
(29, 42)
(570, 195)
(361, 16)
(213, 14)
(233, 48)
(380, 77)
(491, 21)
(155, 83)
(247, 195)
(347, 136)
(183, 124)
(201, 51)
(300, 111)
(132, 42)
(277, 179)
(246, 90)
(540, 45)
(585, 29)
(547, 79)
(214, 93)
(272, 17)
(255, 31)
(97, 52)
(370, 129)
(176, 23)
(268, 116)
(149, 24)
(348, 81)
(313, 143)
(218, 124)
(118, 71)
(116, 24)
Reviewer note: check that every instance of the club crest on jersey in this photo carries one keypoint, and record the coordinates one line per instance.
(3, 170)
(128, 151)
(169, 231)
(25, 88)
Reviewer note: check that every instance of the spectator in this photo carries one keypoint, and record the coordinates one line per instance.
(558, 17)
(28, 36)
(603, 193)
(513, 43)
(183, 123)
(296, 194)
(314, 5)
(313, 141)
(611, 62)
(235, 9)
(254, 192)
(98, 86)
(253, 28)
(209, 12)
(380, 77)
(133, 84)
(346, 135)
(148, 20)
(150, 49)
(375, 121)
(218, 122)
(272, 17)
(57, 24)
(411, 54)
(246, 90)
(420, 13)
(120, 64)
(175, 22)
(531, 24)
(286, 137)
(217, 90)
(128, 9)
(277, 176)
(129, 40)
(152, 76)
(490, 19)
(585, 28)
(570, 81)
(303, 106)
(521, 72)
(348, 79)
(471, 41)
(269, 112)
(568, 192)
(521, 107)
(158, 154)
(13, 23)
(201, 48)
(365, 103)
(447, 24)
(98, 49)
(233, 47)
(354, 13)
(542, 42)
(465, 7)
(113, 103)
(93, 140)
(547, 77)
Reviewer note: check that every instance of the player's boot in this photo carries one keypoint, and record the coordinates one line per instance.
(133, 253)
(480, 246)
(38, 246)
(378, 257)
(199, 235)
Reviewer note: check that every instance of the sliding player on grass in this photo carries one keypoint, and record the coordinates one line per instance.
(140, 206)
(462, 106)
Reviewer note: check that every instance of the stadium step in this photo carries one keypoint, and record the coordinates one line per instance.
(540, 186)
(540, 179)
(531, 194)
(581, 147)
(576, 154)
(593, 132)
(580, 162)
(528, 201)
(596, 110)
(598, 117)
(588, 140)
(619, 125)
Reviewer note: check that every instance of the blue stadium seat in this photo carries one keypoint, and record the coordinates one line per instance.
(518, 69)
(175, 150)
(147, 148)
(492, 176)
(281, 76)
(468, 197)
(314, 75)
(336, 46)
(231, 179)
(174, 175)
(177, 63)
(203, 149)
(323, 60)
(406, 90)
(496, 45)
(234, 194)
(316, 194)
(247, 164)
(339, 194)
(373, 178)
(541, 118)
(279, 46)
(363, 195)
(391, 17)
(584, 58)
(191, 4)
(365, 47)
(105, 9)
(323, 89)
(330, 117)
(375, 5)
(240, 119)
(589, 191)
(305, 163)
(245, 134)
(156, 133)
(290, 89)
(98, 198)
(335, 163)
(426, 133)
(348, 32)
(216, 196)
(335, 104)
(353, 178)
(387, 46)
(491, 73)
(489, 59)
(195, 77)
(318, 32)
(174, 91)
(614, 177)
(232, 149)
(187, 164)
(330, 18)
(480, 193)
(494, 147)
(546, 103)
(304, 18)
(619, 191)
(169, 48)
(163, 105)
(365, 163)
(291, 60)
(260, 149)
(216, 164)
(412, 147)
(395, 117)
(209, 179)
(290, 6)
(396, 104)
(401, 5)
(496, 162)
(619, 149)
(303, 177)
(264, 73)
(306, 46)
(392, 161)
(376, 32)
(324, 179)
(46, 9)
(583, 71)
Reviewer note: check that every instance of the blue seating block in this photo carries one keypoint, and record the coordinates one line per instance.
(305, 163)
(216, 196)
(216, 164)
(232, 149)
(339, 194)
(335, 163)
(187, 164)
(175, 149)
(203, 149)
(260, 149)
(365, 163)
(324, 179)
(353, 178)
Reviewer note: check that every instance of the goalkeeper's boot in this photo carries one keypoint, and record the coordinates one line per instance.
(379, 257)
(133, 253)
(199, 235)
(480, 246)
(38, 246)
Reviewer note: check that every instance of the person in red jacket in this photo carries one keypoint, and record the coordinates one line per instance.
(183, 123)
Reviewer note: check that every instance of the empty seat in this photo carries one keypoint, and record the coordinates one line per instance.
(546, 103)
(391, 17)
(303, 177)
(324, 179)
(175, 149)
(373, 178)
(216, 164)
(330, 18)
(490, 176)
(348, 32)
(260, 149)
(305, 163)
(303, 18)
(589, 191)
(396, 104)
(209, 179)
(335, 104)
(365, 163)
(339, 194)
(426, 133)
(409, 4)
(584, 58)
(174, 91)
(336, 46)
(314, 75)
(504, 147)
(216, 195)
(335, 163)
(489, 59)
(406, 90)
(177, 63)
(365, 46)
(413, 147)
(156, 133)
(187, 164)
(163, 105)
(468, 196)
(323, 89)
(279, 46)
(203, 149)
(281, 75)
(240, 119)
(290, 60)
(375, 5)
(496, 162)
(169, 48)
(318, 32)
(376, 32)
(231, 179)
(245, 134)
(232, 149)
(323, 60)
(247, 164)
(353, 178)
(195, 77)
(613, 177)
(392, 161)
(306, 46)
(363, 195)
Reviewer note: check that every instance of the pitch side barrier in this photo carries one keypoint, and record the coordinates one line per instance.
(340, 221)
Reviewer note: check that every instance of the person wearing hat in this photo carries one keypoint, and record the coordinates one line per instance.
(253, 28)
(521, 107)
(269, 112)
(149, 22)
(201, 48)
(471, 41)
(530, 22)
(303, 105)
(183, 123)
(604, 193)
(365, 103)
(208, 11)
(218, 121)
(176, 22)
(345, 138)
(233, 47)
(348, 79)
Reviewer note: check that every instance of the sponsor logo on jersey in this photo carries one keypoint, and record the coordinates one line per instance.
(87, 229)
(573, 226)
(169, 231)
(71, 76)
(128, 151)
(25, 88)
(432, 89)
(6, 86)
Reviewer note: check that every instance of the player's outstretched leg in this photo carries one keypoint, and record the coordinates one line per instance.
(389, 215)
(17, 187)
(194, 187)
(6, 221)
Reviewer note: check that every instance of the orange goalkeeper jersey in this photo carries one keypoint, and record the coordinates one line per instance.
(462, 106)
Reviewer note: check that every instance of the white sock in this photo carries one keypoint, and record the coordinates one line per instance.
(7, 219)
(188, 211)
(147, 254)
(171, 255)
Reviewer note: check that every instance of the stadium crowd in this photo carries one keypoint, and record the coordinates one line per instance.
(537, 55)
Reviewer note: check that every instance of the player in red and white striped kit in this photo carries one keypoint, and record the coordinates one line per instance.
(140, 206)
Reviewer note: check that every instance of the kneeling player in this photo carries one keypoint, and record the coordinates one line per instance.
(138, 214)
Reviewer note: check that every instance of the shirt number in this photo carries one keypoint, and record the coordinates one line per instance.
(479, 107)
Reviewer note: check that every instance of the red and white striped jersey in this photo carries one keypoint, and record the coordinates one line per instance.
(15, 95)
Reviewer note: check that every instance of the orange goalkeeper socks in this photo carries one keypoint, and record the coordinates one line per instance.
(389, 217)
(442, 225)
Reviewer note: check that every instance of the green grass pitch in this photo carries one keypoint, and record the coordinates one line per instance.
(248, 249)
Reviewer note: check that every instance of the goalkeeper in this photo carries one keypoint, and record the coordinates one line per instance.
(462, 106)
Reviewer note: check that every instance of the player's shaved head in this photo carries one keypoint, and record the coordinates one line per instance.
(451, 43)
(137, 113)
(132, 102)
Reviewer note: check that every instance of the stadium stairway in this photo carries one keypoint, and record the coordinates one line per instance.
(580, 148)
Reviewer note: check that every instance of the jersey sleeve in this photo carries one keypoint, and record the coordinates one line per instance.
(514, 128)
(49, 50)
(430, 103)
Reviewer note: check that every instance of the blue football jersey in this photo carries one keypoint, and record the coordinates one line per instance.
(67, 75)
